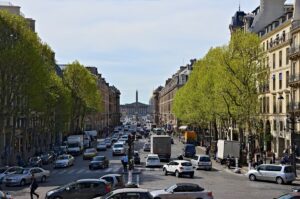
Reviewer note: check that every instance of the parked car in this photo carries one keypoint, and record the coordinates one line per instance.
(4, 171)
(293, 195)
(84, 188)
(128, 193)
(189, 150)
(183, 190)
(179, 168)
(89, 154)
(47, 158)
(147, 147)
(116, 180)
(152, 160)
(99, 162)
(5, 195)
(118, 149)
(35, 161)
(23, 176)
(136, 157)
(101, 145)
(108, 142)
(270, 172)
(64, 161)
(201, 162)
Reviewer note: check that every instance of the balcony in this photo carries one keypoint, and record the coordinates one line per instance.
(294, 107)
(294, 52)
(294, 80)
(295, 26)
(264, 88)
(279, 42)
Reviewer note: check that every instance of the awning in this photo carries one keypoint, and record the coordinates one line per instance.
(183, 127)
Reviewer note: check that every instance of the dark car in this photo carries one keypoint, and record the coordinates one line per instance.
(136, 157)
(189, 150)
(146, 147)
(85, 188)
(35, 161)
(99, 162)
(293, 195)
(47, 158)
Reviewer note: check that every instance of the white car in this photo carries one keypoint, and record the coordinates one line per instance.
(182, 191)
(179, 168)
(201, 162)
(118, 149)
(64, 161)
(152, 160)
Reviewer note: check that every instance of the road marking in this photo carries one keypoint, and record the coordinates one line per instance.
(61, 172)
(71, 171)
(80, 171)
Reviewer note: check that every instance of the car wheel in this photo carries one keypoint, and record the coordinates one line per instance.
(279, 180)
(22, 183)
(252, 177)
(177, 174)
(165, 171)
(43, 179)
(191, 175)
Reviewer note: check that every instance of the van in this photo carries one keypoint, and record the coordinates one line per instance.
(270, 172)
(189, 150)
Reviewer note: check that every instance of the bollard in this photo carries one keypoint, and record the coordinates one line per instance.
(138, 180)
(236, 163)
(130, 177)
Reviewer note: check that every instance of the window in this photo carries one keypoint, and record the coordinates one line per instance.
(264, 46)
(274, 82)
(274, 60)
(268, 105)
(267, 45)
(261, 168)
(280, 80)
(195, 157)
(274, 103)
(273, 168)
(280, 58)
(280, 106)
(287, 78)
(287, 60)
(268, 62)
(274, 125)
(287, 98)
(288, 169)
(281, 125)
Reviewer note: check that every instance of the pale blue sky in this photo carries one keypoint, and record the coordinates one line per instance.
(136, 44)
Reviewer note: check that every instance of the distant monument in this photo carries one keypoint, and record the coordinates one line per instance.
(135, 108)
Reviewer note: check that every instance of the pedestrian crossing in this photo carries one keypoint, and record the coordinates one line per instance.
(140, 169)
(70, 171)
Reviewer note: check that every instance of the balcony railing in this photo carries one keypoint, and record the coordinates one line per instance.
(294, 51)
(295, 25)
(264, 88)
(283, 39)
(294, 79)
(294, 106)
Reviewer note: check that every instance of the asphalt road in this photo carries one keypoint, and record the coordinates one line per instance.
(223, 183)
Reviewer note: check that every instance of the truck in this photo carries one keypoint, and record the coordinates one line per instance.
(161, 145)
(75, 144)
(190, 137)
(226, 147)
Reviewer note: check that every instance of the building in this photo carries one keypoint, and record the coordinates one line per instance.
(163, 96)
(135, 109)
(110, 115)
(154, 105)
(275, 23)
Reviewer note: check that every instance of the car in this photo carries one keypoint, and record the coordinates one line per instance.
(47, 158)
(136, 157)
(270, 172)
(4, 171)
(84, 188)
(189, 150)
(64, 161)
(99, 162)
(89, 154)
(114, 138)
(118, 149)
(35, 161)
(6, 195)
(293, 195)
(108, 142)
(179, 168)
(138, 136)
(182, 190)
(146, 147)
(116, 180)
(101, 145)
(132, 193)
(152, 160)
(202, 162)
(23, 176)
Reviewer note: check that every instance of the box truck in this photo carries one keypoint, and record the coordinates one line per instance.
(75, 144)
(161, 145)
(226, 147)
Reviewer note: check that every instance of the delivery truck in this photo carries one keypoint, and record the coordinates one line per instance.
(190, 137)
(228, 148)
(161, 145)
(75, 144)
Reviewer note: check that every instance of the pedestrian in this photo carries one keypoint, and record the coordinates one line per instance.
(273, 158)
(207, 150)
(33, 187)
(124, 161)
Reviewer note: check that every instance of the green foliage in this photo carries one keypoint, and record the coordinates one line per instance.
(223, 84)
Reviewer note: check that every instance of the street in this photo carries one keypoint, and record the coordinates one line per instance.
(223, 183)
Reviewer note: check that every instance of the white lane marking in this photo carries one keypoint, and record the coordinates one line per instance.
(80, 171)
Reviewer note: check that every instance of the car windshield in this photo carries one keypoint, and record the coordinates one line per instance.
(99, 158)
(22, 171)
(64, 157)
(286, 196)
(186, 164)
(73, 145)
(204, 159)
(146, 145)
(288, 169)
(170, 188)
(102, 143)
(90, 150)
(118, 146)
(153, 158)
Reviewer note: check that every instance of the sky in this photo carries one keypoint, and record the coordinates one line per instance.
(135, 44)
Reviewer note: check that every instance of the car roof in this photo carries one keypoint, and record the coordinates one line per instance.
(153, 155)
(186, 184)
(125, 190)
(112, 174)
(181, 161)
(99, 156)
(90, 180)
